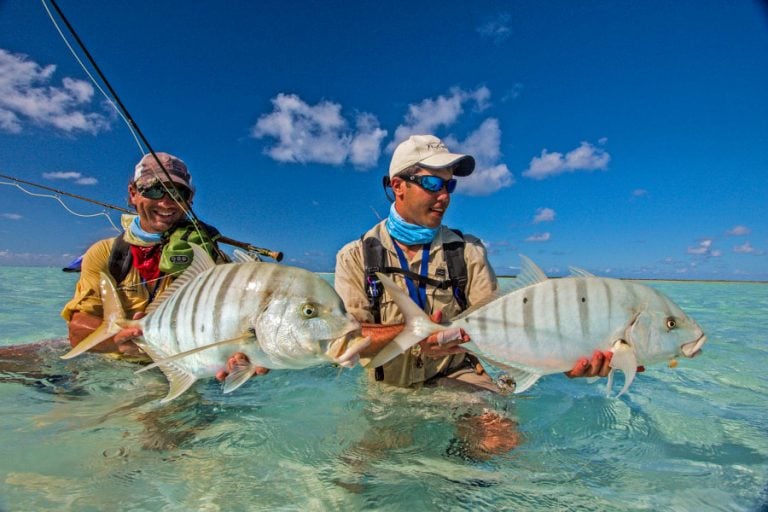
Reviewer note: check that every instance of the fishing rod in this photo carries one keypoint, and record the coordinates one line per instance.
(275, 255)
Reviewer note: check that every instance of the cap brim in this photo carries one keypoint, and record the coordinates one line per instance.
(162, 177)
(463, 164)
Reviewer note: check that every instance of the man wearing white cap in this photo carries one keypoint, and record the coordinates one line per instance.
(443, 270)
(146, 257)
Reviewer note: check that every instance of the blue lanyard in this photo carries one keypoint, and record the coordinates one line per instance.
(418, 295)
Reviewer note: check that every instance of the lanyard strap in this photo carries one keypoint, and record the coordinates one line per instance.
(418, 295)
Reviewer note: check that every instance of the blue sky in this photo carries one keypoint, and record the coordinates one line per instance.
(627, 138)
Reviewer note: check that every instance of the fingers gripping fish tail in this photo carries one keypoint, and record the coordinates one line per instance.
(114, 318)
(417, 324)
(623, 359)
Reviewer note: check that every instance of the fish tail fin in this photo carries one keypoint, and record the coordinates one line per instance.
(417, 324)
(113, 315)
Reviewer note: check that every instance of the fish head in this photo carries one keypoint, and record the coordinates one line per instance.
(661, 331)
(305, 323)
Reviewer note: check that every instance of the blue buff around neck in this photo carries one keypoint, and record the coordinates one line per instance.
(407, 233)
(150, 238)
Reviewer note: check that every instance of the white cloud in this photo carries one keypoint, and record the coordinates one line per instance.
(704, 249)
(544, 215)
(11, 216)
(26, 95)
(484, 144)
(498, 29)
(746, 248)
(431, 114)
(584, 158)
(539, 237)
(639, 192)
(73, 176)
(738, 231)
(318, 133)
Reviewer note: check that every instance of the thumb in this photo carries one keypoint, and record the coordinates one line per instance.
(437, 316)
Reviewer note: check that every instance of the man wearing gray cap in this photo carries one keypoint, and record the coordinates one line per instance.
(146, 257)
(443, 270)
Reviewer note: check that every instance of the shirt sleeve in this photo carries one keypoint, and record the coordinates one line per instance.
(482, 283)
(87, 298)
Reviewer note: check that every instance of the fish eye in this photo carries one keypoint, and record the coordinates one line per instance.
(308, 310)
(671, 323)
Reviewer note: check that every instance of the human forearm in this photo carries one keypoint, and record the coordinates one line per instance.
(83, 324)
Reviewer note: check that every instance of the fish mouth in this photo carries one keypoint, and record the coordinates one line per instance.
(345, 351)
(693, 348)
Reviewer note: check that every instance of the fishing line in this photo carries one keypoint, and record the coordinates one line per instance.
(169, 186)
(275, 255)
(57, 198)
(95, 83)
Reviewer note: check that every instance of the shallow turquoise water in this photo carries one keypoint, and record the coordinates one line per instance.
(87, 434)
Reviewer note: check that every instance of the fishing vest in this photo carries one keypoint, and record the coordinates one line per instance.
(176, 254)
(375, 258)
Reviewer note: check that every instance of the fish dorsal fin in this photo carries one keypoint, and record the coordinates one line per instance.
(241, 256)
(113, 318)
(529, 275)
(580, 272)
(201, 261)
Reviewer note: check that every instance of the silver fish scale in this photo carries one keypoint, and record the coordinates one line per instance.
(214, 306)
(566, 317)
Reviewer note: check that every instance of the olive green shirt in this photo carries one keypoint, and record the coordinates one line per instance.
(408, 370)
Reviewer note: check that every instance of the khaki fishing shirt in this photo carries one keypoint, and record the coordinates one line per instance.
(409, 370)
(134, 294)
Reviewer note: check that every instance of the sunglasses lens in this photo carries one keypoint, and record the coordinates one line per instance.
(153, 192)
(431, 183)
(157, 191)
(451, 186)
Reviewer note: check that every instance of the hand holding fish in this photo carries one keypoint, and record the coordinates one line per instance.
(124, 339)
(235, 361)
(443, 343)
(598, 366)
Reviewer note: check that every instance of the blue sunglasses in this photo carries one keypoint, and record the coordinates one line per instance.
(431, 183)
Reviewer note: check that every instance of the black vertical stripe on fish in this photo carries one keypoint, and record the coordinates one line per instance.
(196, 299)
(529, 318)
(556, 310)
(608, 296)
(225, 286)
(583, 307)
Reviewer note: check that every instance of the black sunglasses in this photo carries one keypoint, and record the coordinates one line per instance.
(431, 183)
(158, 190)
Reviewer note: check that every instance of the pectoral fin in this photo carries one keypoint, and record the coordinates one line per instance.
(240, 374)
(623, 359)
(181, 355)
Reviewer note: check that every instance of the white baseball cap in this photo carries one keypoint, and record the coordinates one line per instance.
(429, 152)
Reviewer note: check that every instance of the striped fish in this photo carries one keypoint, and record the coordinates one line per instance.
(546, 325)
(279, 316)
